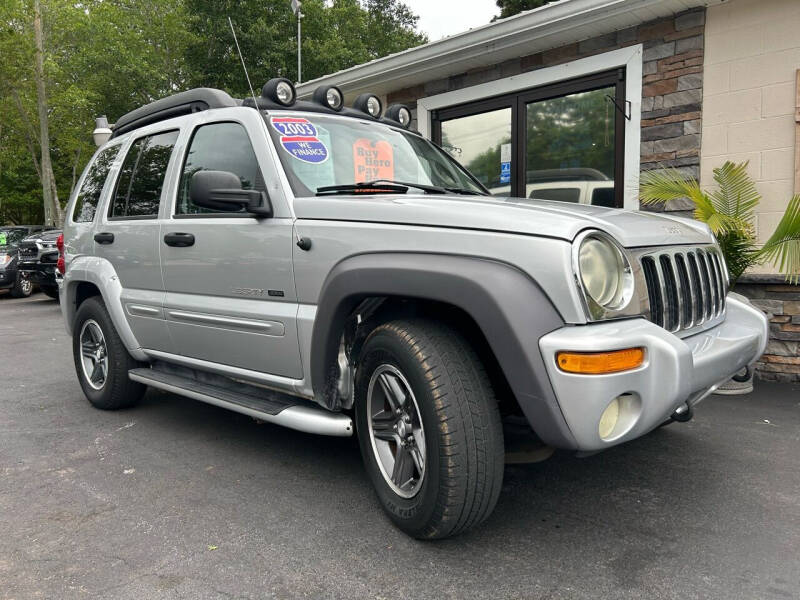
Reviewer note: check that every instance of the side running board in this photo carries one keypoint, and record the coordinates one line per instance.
(280, 409)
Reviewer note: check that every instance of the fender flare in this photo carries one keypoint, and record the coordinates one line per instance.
(101, 273)
(510, 308)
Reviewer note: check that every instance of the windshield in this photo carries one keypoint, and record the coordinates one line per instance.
(319, 151)
(11, 237)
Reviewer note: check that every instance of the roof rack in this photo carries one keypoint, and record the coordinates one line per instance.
(183, 103)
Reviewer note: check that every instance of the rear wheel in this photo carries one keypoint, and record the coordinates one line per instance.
(23, 288)
(429, 428)
(101, 360)
(50, 290)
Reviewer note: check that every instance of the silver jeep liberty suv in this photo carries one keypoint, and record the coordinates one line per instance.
(324, 268)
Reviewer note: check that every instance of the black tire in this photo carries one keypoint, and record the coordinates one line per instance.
(463, 434)
(50, 291)
(22, 288)
(117, 390)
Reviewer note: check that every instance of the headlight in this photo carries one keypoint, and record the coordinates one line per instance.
(605, 275)
(5, 259)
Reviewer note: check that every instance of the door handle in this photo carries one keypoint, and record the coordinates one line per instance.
(179, 240)
(104, 238)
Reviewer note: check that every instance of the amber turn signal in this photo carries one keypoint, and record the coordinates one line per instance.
(598, 363)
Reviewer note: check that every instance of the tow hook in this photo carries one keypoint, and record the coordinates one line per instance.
(683, 413)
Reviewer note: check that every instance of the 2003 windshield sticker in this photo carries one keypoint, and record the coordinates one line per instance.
(299, 138)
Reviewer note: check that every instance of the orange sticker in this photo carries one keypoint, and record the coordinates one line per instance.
(372, 160)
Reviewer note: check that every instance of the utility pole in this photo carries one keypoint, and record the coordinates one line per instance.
(296, 8)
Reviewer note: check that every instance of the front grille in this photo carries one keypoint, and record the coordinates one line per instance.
(28, 250)
(686, 286)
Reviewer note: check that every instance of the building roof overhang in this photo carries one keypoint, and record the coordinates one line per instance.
(550, 26)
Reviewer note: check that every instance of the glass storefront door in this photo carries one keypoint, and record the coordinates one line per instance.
(559, 142)
(482, 143)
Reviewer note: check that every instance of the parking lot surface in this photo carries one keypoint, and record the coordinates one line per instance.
(178, 499)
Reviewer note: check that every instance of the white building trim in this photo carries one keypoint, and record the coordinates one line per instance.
(630, 58)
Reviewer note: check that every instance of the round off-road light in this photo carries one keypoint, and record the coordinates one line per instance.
(399, 113)
(370, 104)
(330, 96)
(279, 90)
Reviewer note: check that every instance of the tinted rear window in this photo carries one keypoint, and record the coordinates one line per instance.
(89, 194)
(141, 177)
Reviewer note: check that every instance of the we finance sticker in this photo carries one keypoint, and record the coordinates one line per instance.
(299, 138)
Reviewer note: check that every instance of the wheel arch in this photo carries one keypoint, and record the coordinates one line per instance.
(89, 276)
(509, 308)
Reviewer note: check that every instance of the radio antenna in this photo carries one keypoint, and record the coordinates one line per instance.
(244, 68)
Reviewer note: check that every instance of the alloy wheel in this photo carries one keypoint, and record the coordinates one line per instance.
(395, 430)
(94, 354)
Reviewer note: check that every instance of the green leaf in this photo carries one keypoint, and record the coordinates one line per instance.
(782, 248)
(736, 196)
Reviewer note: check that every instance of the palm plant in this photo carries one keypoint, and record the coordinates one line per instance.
(729, 211)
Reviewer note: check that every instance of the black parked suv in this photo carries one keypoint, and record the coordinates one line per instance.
(10, 278)
(38, 255)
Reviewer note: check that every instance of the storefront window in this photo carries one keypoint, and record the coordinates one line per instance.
(560, 142)
(481, 143)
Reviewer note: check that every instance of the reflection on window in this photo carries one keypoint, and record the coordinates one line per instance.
(219, 147)
(571, 138)
(89, 194)
(142, 175)
(482, 143)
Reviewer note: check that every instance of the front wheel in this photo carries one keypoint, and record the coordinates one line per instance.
(429, 428)
(23, 288)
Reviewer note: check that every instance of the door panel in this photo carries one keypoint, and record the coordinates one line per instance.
(230, 296)
(218, 301)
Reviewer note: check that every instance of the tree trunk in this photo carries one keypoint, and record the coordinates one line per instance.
(52, 209)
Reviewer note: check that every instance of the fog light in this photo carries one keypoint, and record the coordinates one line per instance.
(279, 90)
(609, 419)
(370, 104)
(330, 96)
(399, 113)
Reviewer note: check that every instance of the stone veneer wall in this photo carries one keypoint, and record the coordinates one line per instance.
(781, 302)
(672, 86)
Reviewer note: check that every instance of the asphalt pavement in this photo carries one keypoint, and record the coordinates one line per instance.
(178, 499)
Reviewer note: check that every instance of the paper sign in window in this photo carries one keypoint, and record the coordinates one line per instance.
(372, 160)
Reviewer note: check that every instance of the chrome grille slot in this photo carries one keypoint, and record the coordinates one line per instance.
(653, 290)
(672, 315)
(697, 288)
(708, 306)
(686, 286)
(687, 312)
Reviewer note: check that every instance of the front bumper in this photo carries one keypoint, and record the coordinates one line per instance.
(39, 272)
(8, 278)
(676, 370)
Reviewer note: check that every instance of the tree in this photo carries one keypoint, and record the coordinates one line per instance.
(65, 62)
(509, 8)
(336, 35)
(52, 209)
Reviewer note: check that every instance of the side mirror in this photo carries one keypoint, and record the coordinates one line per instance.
(222, 190)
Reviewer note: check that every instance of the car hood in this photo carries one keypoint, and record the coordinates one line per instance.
(512, 215)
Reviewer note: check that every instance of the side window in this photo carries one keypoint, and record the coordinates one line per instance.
(89, 194)
(218, 147)
(141, 177)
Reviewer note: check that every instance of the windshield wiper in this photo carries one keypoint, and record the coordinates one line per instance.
(381, 186)
(464, 191)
